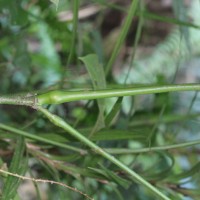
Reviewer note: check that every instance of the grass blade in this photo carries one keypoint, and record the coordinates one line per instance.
(41, 139)
(97, 75)
(18, 166)
(123, 33)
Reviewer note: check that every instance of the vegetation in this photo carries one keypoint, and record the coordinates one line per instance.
(95, 101)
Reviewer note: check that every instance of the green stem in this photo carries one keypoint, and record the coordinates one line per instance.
(150, 149)
(150, 16)
(40, 139)
(57, 96)
(123, 33)
(62, 124)
(152, 119)
(74, 36)
(75, 27)
(19, 100)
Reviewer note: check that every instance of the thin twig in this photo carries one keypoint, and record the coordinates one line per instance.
(45, 181)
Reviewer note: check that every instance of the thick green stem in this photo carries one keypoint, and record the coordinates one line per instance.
(62, 124)
(57, 96)
(61, 96)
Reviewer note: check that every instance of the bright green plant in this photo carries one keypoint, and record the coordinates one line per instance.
(56, 97)
(105, 152)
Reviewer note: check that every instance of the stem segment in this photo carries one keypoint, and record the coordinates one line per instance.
(41, 139)
(57, 96)
(151, 149)
(19, 100)
(62, 124)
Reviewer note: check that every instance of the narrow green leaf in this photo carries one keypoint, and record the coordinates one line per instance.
(121, 181)
(135, 134)
(123, 34)
(193, 193)
(18, 166)
(113, 113)
(161, 168)
(97, 75)
(109, 175)
(75, 170)
(95, 70)
(169, 20)
(105, 134)
(191, 172)
(150, 120)
(73, 39)
(38, 138)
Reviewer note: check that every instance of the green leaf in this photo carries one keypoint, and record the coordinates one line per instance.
(74, 171)
(111, 176)
(38, 138)
(95, 70)
(193, 193)
(152, 16)
(123, 33)
(18, 166)
(161, 168)
(183, 175)
(97, 75)
(105, 134)
(69, 157)
(114, 112)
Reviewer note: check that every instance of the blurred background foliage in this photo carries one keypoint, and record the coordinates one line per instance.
(40, 51)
